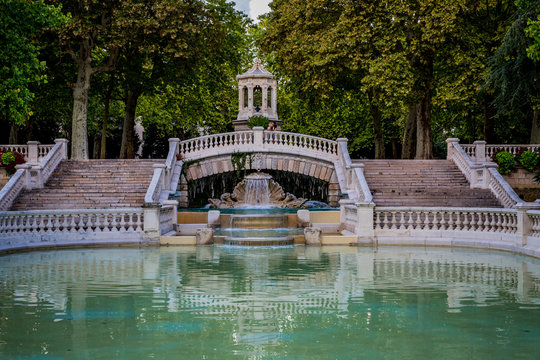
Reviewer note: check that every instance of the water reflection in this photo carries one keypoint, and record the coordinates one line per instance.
(247, 300)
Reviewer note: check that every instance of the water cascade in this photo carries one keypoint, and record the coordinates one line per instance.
(257, 216)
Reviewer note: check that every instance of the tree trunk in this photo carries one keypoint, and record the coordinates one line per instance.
(127, 149)
(535, 128)
(13, 134)
(409, 135)
(79, 131)
(424, 143)
(107, 102)
(377, 128)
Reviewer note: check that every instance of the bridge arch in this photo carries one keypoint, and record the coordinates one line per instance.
(269, 150)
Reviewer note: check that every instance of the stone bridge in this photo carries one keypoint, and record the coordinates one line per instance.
(270, 150)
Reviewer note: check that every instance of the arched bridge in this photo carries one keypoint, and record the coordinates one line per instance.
(312, 156)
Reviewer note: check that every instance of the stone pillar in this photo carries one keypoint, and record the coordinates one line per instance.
(480, 150)
(264, 107)
(213, 218)
(163, 180)
(240, 98)
(450, 142)
(173, 143)
(250, 99)
(183, 200)
(27, 178)
(258, 136)
(174, 215)
(524, 223)
(204, 236)
(33, 154)
(312, 236)
(364, 223)
(274, 100)
(64, 143)
(152, 230)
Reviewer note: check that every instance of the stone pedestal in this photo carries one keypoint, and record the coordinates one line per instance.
(204, 236)
(312, 236)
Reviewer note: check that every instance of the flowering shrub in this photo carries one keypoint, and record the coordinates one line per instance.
(528, 160)
(505, 160)
(10, 159)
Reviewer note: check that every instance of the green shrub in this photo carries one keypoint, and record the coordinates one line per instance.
(258, 120)
(7, 158)
(528, 160)
(505, 160)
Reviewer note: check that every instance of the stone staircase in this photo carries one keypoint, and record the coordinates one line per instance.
(436, 183)
(91, 184)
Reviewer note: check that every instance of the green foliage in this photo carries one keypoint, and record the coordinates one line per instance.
(10, 159)
(258, 120)
(528, 160)
(240, 162)
(21, 24)
(7, 158)
(505, 160)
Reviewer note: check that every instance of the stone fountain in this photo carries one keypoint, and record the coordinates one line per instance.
(257, 190)
(252, 227)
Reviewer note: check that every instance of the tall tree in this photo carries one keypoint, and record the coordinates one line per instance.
(21, 22)
(515, 79)
(91, 34)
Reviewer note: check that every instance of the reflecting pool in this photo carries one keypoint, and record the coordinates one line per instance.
(269, 303)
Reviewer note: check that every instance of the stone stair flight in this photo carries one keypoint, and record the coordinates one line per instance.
(91, 184)
(434, 183)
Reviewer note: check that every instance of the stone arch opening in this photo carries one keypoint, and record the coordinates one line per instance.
(245, 95)
(269, 98)
(257, 98)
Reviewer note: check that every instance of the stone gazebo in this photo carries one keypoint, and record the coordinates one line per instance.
(256, 96)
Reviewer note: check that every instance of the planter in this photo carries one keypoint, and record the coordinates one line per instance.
(4, 177)
(521, 178)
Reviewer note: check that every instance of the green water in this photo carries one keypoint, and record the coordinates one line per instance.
(269, 303)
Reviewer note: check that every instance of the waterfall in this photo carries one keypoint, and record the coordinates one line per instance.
(257, 192)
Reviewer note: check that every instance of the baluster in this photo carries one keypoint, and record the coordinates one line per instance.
(493, 225)
(82, 222)
(410, 222)
(129, 224)
(393, 217)
(114, 223)
(65, 224)
(139, 223)
(50, 224)
(465, 221)
(122, 222)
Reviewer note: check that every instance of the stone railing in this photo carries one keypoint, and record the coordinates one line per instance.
(451, 219)
(30, 176)
(33, 151)
(353, 182)
(69, 227)
(482, 174)
(257, 140)
(488, 150)
(516, 230)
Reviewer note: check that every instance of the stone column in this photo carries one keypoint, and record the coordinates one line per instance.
(364, 224)
(250, 98)
(64, 143)
(240, 98)
(450, 142)
(33, 154)
(258, 136)
(152, 230)
(274, 100)
(264, 107)
(480, 150)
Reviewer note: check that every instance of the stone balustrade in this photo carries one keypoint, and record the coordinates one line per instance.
(452, 219)
(33, 151)
(482, 174)
(257, 140)
(69, 227)
(33, 175)
(488, 150)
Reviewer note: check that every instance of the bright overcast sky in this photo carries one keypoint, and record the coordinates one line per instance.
(253, 8)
